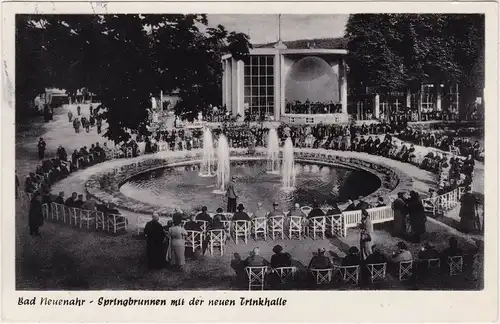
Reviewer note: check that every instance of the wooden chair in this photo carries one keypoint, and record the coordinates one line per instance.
(241, 229)
(88, 218)
(336, 224)
(217, 240)
(100, 221)
(317, 225)
(116, 223)
(322, 276)
(277, 226)
(203, 225)
(286, 274)
(347, 274)
(430, 266)
(259, 227)
(75, 216)
(256, 276)
(455, 264)
(405, 270)
(377, 271)
(306, 210)
(295, 226)
(194, 240)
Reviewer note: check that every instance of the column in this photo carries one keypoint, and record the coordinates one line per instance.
(240, 90)
(439, 93)
(408, 98)
(343, 86)
(224, 85)
(234, 88)
(282, 79)
(277, 87)
(376, 106)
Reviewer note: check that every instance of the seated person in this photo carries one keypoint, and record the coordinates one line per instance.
(111, 209)
(260, 212)
(217, 223)
(380, 202)
(402, 254)
(240, 215)
(255, 260)
(428, 252)
(79, 202)
(295, 211)
(219, 214)
(350, 205)
(60, 199)
(376, 256)
(89, 204)
(320, 261)
(334, 210)
(70, 202)
(280, 259)
(362, 204)
(204, 216)
(192, 225)
(276, 211)
(452, 249)
(352, 258)
(316, 211)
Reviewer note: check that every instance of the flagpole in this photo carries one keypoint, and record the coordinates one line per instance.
(279, 28)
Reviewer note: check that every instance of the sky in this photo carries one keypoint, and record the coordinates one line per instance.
(264, 28)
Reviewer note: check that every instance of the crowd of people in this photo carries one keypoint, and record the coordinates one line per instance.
(94, 119)
(308, 107)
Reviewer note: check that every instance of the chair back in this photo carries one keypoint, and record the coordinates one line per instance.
(306, 210)
(241, 229)
(277, 225)
(259, 227)
(348, 274)
(203, 224)
(217, 238)
(322, 276)
(405, 270)
(433, 265)
(286, 274)
(295, 226)
(377, 271)
(194, 239)
(256, 276)
(455, 264)
(318, 226)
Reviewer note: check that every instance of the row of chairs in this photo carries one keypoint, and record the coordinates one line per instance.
(113, 223)
(351, 274)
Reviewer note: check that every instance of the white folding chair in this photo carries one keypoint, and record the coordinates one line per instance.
(256, 276)
(116, 223)
(259, 227)
(75, 215)
(336, 224)
(405, 270)
(87, 217)
(433, 266)
(277, 226)
(317, 225)
(295, 226)
(227, 227)
(100, 221)
(240, 229)
(68, 214)
(322, 276)
(203, 224)
(45, 211)
(286, 274)
(377, 271)
(348, 274)
(194, 240)
(129, 152)
(306, 210)
(217, 240)
(455, 264)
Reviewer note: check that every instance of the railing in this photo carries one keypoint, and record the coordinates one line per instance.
(377, 215)
(443, 203)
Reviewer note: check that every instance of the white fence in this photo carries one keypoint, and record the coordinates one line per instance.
(443, 203)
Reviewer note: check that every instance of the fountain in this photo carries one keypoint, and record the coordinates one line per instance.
(208, 160)
(273, 151)
(288, 166)
(223, 165)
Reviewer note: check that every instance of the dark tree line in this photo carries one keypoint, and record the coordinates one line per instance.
(124, 60)
(390, 52)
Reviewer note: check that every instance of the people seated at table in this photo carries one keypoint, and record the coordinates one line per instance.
(295, 211)
(280, 259)
(320, 260)
(240, 215)
(376, 256)
(260, 212)
(255, 260)
(352, 258)
(193, 225)
(315, 211)
(204, 216)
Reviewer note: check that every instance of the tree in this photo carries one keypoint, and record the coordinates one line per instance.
(125, 59)
(393, 51)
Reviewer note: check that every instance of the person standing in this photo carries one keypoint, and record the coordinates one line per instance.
(78, 110)
(35, 215)
(41, 148)
(155, 242)
(400, 211)
(231, 196)
(76, 125)
(176, 248)
(468, 212)
(417, 216)
(366, 235)
(70, 116)
(99, 124)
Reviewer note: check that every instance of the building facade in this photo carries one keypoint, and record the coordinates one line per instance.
(293, 85)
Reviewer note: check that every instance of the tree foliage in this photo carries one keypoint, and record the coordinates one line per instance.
(125, 59)
(393, 51)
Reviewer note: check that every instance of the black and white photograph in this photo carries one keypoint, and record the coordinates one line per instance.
(250, 152)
